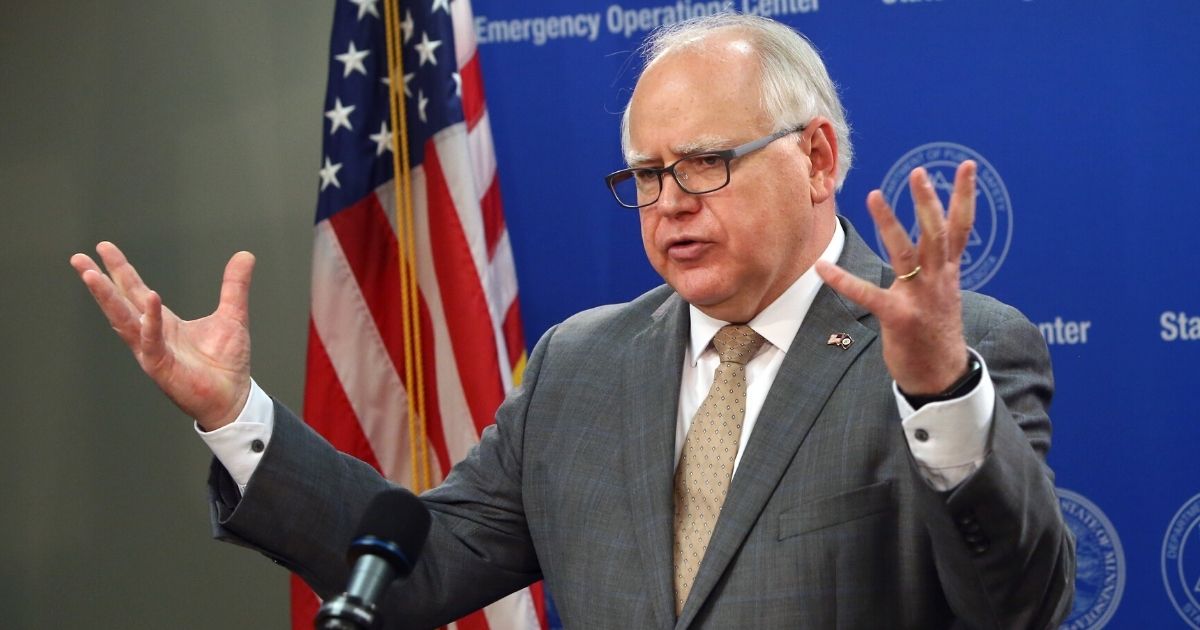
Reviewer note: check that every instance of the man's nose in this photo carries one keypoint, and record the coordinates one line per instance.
(673, 199)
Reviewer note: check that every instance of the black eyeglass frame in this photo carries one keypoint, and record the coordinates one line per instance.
(726, 155)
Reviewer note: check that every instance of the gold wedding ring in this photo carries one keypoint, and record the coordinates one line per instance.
(910, 275)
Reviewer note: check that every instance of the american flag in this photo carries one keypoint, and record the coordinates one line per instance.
(467, 350)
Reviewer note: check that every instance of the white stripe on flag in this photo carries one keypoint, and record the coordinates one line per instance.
(501, 287)
(451, 147)
(483, 155)
(457, 425)
(343, 322)
(459, 169)
(464, 32)
(514, 612)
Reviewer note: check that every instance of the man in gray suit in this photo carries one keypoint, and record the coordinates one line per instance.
(768, 440)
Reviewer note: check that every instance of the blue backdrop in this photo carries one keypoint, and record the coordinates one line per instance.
(1082, 117)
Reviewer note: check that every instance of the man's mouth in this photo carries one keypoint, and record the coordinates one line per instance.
(686, 249)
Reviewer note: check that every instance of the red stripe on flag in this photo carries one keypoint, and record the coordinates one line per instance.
(369, 245)
(326, 408)
(467, 315)
(514, 338)
(304, 604)
(492, 209)
(474, 621)
(537, 591)
(472, 91)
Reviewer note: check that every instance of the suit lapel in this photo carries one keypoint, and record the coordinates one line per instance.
(652, 377)
(808, 376)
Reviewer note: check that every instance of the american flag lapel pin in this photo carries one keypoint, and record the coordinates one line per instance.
(841, 340)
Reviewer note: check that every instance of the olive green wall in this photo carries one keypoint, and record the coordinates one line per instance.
(183, 131)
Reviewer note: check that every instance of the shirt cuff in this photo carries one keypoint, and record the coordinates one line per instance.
(949, 439)
(240, 445)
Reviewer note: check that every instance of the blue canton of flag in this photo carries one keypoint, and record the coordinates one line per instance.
(358, 137)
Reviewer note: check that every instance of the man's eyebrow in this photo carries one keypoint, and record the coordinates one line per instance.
(702, 145)
(634, 159)
(698, 145)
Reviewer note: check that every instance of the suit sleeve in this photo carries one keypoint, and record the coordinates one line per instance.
(1004, 557)
(303, 504)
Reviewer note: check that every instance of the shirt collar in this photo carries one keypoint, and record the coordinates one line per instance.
(780, 321)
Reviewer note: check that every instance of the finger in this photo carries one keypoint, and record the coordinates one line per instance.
(106, 296)
(855, 289)
(235, 287)
(152, 343)
(121, 316)
(899, 246)
(931, 246)
(82, 263)
(961, 216)
(123, 274)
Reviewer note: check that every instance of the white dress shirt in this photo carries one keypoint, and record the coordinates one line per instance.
(955, 431)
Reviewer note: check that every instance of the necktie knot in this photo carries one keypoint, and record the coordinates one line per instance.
(737, 344)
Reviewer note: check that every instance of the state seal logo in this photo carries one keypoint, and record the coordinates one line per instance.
(1181, 561)
(1099, 563)
(988, 243)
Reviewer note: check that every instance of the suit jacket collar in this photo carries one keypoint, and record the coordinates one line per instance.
(652, 379)
(810, 372)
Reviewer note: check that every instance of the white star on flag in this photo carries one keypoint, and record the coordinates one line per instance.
(421, 103)
(328, 174)
(425, 48)
(352, 60)
(339, 116)
(406, 27)
(440, 4)
(408, 76)
(382, 140)
(457, 83)
(365, 7)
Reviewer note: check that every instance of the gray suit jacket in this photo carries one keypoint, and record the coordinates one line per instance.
(827, 524)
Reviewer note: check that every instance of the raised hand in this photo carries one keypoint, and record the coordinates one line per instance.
(202, 365)
(920, 315)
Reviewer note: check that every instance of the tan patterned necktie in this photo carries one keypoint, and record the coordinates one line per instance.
(706, 464)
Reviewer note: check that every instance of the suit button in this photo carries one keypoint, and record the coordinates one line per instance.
(965, 519)
(257, 446)
(922, 435)
(970, 527)
(980, 548)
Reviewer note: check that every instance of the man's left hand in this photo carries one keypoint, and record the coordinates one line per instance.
(921, 313)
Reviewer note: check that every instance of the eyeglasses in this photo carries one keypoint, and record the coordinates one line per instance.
(696, 174)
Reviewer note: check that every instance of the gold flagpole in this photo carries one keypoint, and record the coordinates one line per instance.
(406, 246)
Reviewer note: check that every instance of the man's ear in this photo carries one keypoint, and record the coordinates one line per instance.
(822, 155)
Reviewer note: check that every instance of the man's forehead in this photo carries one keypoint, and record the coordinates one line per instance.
(714, 47)
(703, 96)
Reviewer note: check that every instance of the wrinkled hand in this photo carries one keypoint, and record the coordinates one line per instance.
(920, 318)
(202, 365)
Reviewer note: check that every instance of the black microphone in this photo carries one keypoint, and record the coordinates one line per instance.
(390, 537)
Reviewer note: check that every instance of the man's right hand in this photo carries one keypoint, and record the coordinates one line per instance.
(202, 365)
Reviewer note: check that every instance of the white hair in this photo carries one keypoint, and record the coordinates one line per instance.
(795, 84)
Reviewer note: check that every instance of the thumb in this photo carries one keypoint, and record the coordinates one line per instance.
(235, 288)
(851, 287)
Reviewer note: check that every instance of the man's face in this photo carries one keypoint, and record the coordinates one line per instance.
(733, 251)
